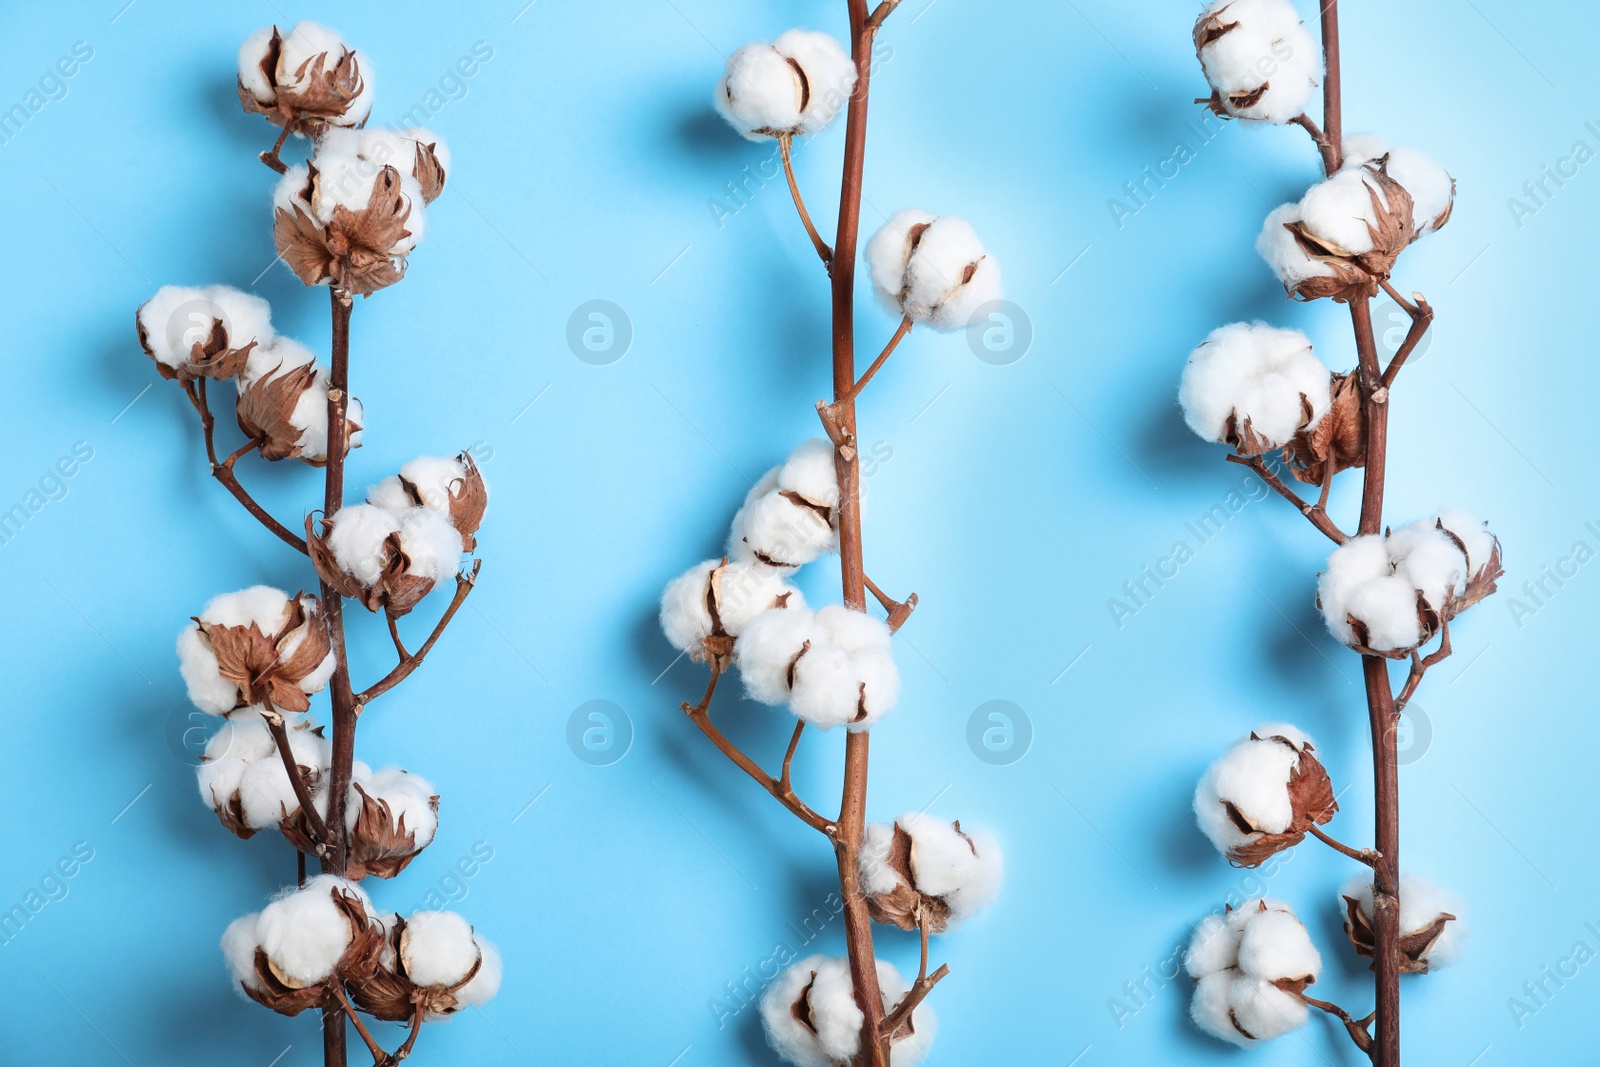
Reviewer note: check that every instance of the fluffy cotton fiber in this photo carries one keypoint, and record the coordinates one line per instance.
(410, 798)
(834, 1033)
(795, 85)
(304, 933)
(1258, 57)
(261, 606)
(1236, 958)
(294, 71)
(961, 868)
(740, 591)
(1284, 253)
(1421, 904)
(439, 948)
(1256, 376)
(1432, 190)
(932, 270)
(1253, 776)
(178, 316)
(242, 759)
(833, 667)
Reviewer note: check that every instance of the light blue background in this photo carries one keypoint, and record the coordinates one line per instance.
(1017, 501)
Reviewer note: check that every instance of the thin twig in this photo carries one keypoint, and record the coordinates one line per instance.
(465, 583)
(411, 1039)
(1330, 154)
(877, 364)
(919, 992)
(271, 158)
(1421, 318)
(379, 1057)
(1316, 513)
(1420, 665)
(785, 144)
(297, 781)
(883, 11)
(394, 635)
(899, 611)
(1360, 855)
(1357, 1028)
(223, 470)
(788, 756)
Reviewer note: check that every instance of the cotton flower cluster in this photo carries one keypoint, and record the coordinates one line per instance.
(1250, 967)
(283, 403)
(1342, 238)
(242, 778)
(920, 869)
(793, 86)
(812, 1019)
(451, 485)
(432, 963)
(292, 954)
(353, 214)
(788, 518)
(1433, 191)
(1263, 795)
(1390, 594)
(385, 559)
(1261, 63)
(1432, 928)
(705, 609)
(305, 80)
(256, 648)
(833, 667)
(932, 269)
(202, 332)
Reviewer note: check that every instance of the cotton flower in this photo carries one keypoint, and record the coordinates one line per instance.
(202, 333)
(304, 80)
(1432, 927)
(344, 220)
(391, 816)
(1250, 967)
(286, 407)
(793, 86)
(1342, 238)
(932, 269)
(1264, 795)
(923, 870)
(1391, 594)
(432, 963)
(256, 647)
(812, 1019)
(1254, 387)
(293, 954)
(242, 778)
(789, 517)
(1261, 63)
(707, 607)
(1433, 191)
(833, 667)
(452, 486)
(385, 559)
(415, 151)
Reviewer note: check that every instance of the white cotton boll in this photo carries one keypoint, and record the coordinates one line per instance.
(766, 648)
(438, 948)
(810, 472)
(828, 70)
(853, 631)
(305, 42)
(1213, 947)
(280, 355)
(246, 739)
(1211, 1006)
(239, 943)
(889, 252)
(219, 779)
(745, 590)
(430, 541)
(759, 94)
(945, 277)
(486, 983)
(982, 885)
(782, 534)
(1430, 185)
(1361, 148)
(1388, 607)
(1282, 251)
(1255, 372)
(197, 664)
(827, 687)
(155, 323)
(1351, 566)
(1475, 535)
(410, 799)
(877, 877)
(1276, 945)
(1263, 1010)
(357, 538)
(685, 616)
(303, 931)
(1430, 561)
(1268, 50)
(1421, 902)
(789, 1037)
(879, 683)
(266, 796)
(436, 478)
(252, 54)
(1253, 776)
(1339, 211)
(834, 1012)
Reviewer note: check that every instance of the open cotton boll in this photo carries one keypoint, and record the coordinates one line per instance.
(347, 181)
(1340, 212)
(304, 933)
(810, 472)
(437, 948)
(1249, 384)
(219, 779)
(1258, 58)
(1433, 926)
(1432, 189)
(745, 590)
(430, 541)
(1387, 608)
(712, 603)
(1236, 959)
(279, 355)
(239, 943)
(357, 535)
(962, 871)
(1481, 545)
(301, 46)
(1283, 253)
(1211, 1006)
(880, 686)
(760, 92)
(1263, 795)
(266, 796)
(948, 275)
(853, 631)
(1264, 1011)
(812, 1020)
(410, 797)
(783, 534)
(246, 739)
(486, 983)
(253, 54)
(766, 649)
(1275, 945)
(827, 71)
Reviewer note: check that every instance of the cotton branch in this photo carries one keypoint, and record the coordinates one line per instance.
(1364, 855)
(882, 12)
(465, 583)
(1420, 665)
(271, 159)
(302, 790)
(1329, 151)
(1421, 318)
(1356, 1027)
(1316, 513)
(785, 145)
(919, 989)
(899, 611)
(223, 470)
(379, 1056)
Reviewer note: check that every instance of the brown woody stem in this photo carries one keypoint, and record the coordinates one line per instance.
(1357, 1028)
(223, 470)
(785, 146)
(1360, 855)
(877, 364)
(1316, 514)
(1421, 318)
(465, 583)
(379, 1057)
(1330, 154)
(297, 781)
(411, 1039)
(788, 756)
(882, 12)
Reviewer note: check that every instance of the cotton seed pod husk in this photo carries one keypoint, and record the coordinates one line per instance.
(353, 250)
(1310, 797)
(1359, 275)
(1414, 946)
(359, 961)
(429, 171)
(389, 994)
(905, 906)
(211, 358)
(395, 591)
(265, 408)
(327, 94)
(380, 844)
(469, 500)
(256, 663)
(1484, 575)
(1339, 439)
